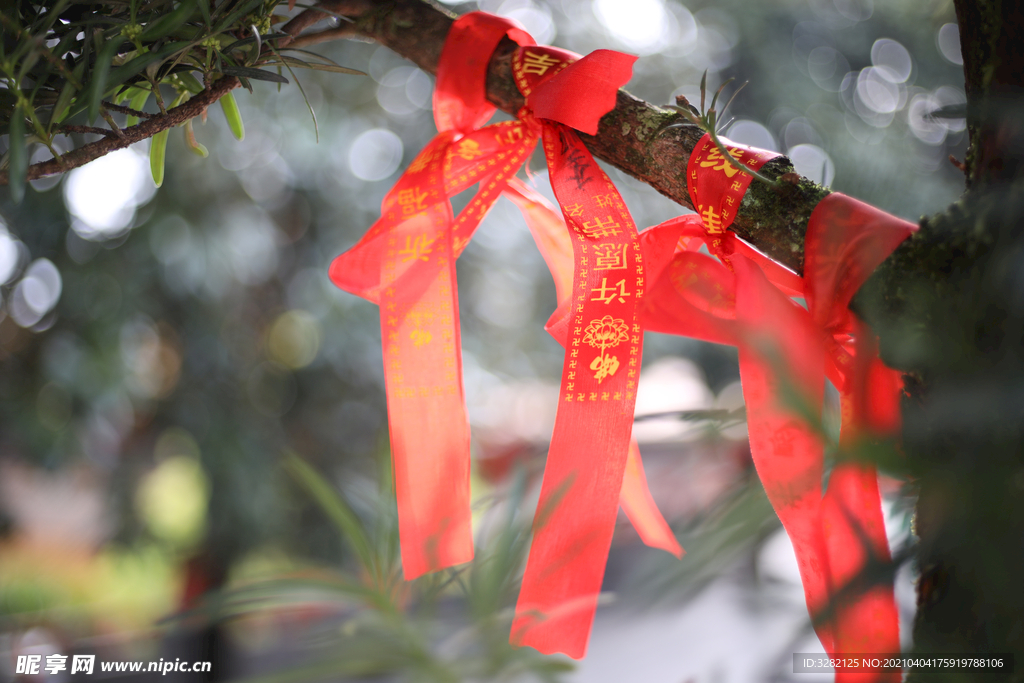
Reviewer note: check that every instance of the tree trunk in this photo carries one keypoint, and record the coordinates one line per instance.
(964, 437)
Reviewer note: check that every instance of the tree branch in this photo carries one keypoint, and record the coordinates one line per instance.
(146, 129)
(311, 17)
(632, 137)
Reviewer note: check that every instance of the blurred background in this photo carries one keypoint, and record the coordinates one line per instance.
(170, 358)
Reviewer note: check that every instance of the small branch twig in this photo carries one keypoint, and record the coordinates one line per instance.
(72, 128)
(121, 109)
(110, 122)
(146, 129)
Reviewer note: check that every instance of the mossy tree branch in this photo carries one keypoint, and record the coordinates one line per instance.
(632, 137)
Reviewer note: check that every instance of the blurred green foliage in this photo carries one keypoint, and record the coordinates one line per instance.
(390, 627)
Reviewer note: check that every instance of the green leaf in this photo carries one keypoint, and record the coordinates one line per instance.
(101, 72)
(193, 144)
(234, 117)
(731, 99)
(119, 75)
(714, 100)
(59, 110)
(302, 91)
(190, 82)
(167, 23)
(320, 58)
(239, 12)
(138, 64)
(204, 9)
(137, 101)
(157, 153)
(255, 74)
(703, 89)
(259, 41)
(333, 68)
(252, 39)
(335, 507)
(17, 155)
(29, 61)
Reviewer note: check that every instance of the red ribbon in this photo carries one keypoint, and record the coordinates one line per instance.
(787, 351)
(555, 244)
(405, 263)
(583, 478)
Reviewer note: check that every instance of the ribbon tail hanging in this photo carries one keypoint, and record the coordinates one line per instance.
(583, 478)
(787, 454)
(641, 510)
(405, 264)
(864, 603)
(555, 245)
(416, 243)
(864, 606)
(846, 240)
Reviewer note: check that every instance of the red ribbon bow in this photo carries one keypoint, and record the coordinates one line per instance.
(785, 349)
(405, 263)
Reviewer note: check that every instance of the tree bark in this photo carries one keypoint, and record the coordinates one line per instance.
(965, 438)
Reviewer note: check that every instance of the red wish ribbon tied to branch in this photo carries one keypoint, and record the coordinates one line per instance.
(787, 350)
(601, 266)
(405, 263)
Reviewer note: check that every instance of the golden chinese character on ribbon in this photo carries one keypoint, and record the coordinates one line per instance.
(416, 248)
(411, 201)
(610, 256)
(599, 228)
(419, 315)
(420, 337)
(421, 161)
(606, 294)
(469, 150)
(712, 220)
(720, 163)
(604, 366)
(605, 200)
(513, 135)
(534, 63)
